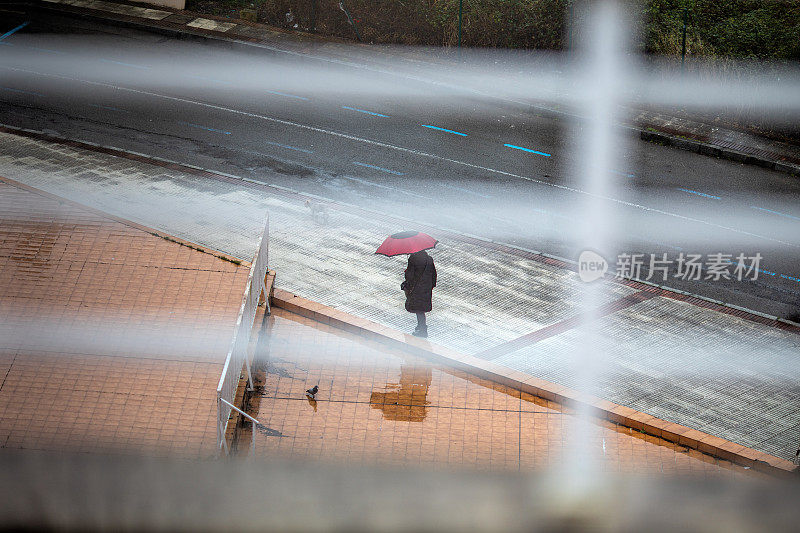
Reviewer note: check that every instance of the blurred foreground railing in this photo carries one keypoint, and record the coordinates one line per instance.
(88, 492)
(237, 354)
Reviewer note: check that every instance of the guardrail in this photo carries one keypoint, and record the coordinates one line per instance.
(252, 420)
(237, 357)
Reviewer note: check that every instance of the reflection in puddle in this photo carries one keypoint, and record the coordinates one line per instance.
(407, 400)
(269, 432)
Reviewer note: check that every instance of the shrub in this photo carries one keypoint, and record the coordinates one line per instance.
(761, 29)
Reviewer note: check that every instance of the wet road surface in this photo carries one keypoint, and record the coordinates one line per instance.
(397, 144)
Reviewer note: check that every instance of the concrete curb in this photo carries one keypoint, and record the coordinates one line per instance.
(239, 34)
(597, 407)
(711, 150)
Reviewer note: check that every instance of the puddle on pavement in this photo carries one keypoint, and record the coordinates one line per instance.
(406, 400)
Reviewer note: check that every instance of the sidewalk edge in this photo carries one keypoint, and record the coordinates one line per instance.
(682, 143)
(141, 227)
(573, 399)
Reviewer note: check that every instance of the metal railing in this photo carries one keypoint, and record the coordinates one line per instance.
(237, 357)
(252, 420)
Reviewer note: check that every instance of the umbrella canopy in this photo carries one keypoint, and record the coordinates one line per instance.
(406, 242)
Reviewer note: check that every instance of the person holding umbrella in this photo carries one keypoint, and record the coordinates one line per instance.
(420, 274)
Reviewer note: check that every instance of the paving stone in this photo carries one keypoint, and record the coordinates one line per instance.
(664, 360)
(208, 24)
(125, 329)
(178, 18)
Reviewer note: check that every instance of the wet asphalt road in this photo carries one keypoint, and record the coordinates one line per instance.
(399, 145)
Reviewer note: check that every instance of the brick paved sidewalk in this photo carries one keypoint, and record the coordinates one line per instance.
(677, 359)
(681, 133)
(379, 405)
(112, 339)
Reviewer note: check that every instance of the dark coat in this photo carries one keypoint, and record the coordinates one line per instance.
(420, 281)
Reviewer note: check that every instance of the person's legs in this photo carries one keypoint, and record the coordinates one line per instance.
(422, 326)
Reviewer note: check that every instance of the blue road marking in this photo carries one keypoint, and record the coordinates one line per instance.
(442, 129)
(15, 30)
(505, 221)
(287, 95)
(626, 174)
(704, 195)
(762, 271)
(33, 48)
(775, 212)
(379, 168)
(464, 190)
(206, 78)
(395, 189)
(205, 128)
(108, 107)
(288, 147)
(658, 243)
(132, 65)
(45, 50)
(527, 150)
(21, 91)
(364, 111)
(550, 213)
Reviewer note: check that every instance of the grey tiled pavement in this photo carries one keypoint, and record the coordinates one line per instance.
(717, 373)
(711, 371)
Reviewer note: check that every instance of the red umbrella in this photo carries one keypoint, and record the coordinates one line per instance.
(406, 242)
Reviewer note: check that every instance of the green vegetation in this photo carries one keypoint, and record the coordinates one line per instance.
(762, 29)
(753, 29)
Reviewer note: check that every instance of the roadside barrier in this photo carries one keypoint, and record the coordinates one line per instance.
(237, 358)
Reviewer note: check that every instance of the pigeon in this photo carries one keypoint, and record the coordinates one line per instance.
(312, 391)
(318, 212)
